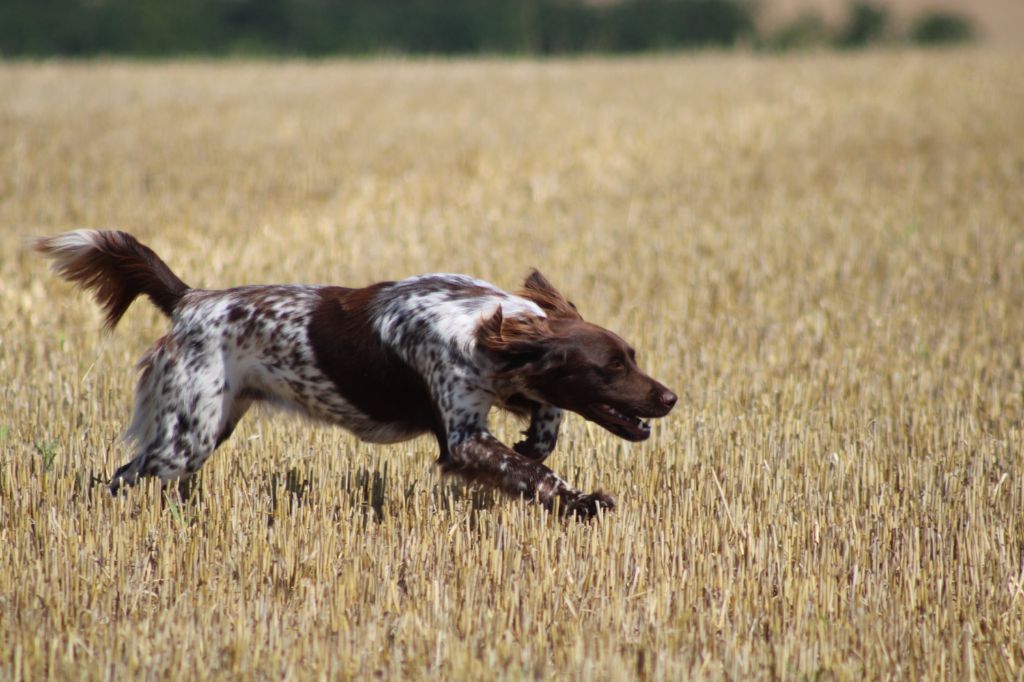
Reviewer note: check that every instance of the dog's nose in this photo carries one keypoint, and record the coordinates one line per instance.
(668, 398)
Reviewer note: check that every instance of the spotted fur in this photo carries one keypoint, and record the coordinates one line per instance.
(388, 362)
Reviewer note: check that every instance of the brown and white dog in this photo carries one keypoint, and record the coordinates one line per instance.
(388, 362)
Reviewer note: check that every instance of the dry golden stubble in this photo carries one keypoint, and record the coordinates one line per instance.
(823, 255)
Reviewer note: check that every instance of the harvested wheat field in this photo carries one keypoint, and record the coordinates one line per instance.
(823, 255)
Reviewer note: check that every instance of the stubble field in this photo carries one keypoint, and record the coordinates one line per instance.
(823, 255)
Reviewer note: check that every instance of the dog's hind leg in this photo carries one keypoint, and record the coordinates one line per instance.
(235, 412)
(185, 407)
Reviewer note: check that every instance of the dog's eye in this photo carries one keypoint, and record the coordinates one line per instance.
(617, 365)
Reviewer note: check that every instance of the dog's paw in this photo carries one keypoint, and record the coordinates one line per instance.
(118, 487)
(123, 479)
(586, 506)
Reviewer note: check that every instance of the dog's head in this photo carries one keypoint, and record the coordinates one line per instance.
(567, 362)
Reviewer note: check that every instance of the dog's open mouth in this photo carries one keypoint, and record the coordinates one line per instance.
(621, 424)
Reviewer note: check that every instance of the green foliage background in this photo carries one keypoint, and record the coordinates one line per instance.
(318, 27)
(158, 28)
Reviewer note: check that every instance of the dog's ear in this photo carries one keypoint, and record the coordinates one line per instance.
(538, 289)
(518, 341)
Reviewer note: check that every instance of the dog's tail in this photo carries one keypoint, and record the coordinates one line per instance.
(116, 267)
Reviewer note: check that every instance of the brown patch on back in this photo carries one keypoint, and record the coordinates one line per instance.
(366, 373)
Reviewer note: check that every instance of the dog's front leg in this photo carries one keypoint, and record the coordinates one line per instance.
(482, 458)
(542, 433)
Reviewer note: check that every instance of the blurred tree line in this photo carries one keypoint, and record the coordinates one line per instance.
(325, 27)
(321, 27)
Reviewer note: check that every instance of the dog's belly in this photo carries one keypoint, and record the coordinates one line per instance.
(314, 395)
(371, 431)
